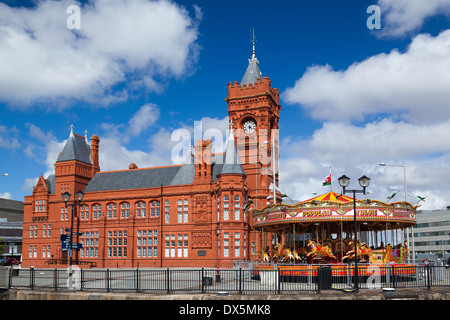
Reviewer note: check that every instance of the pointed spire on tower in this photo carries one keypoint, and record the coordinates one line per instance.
(253, 44)
(232, 163)
(253, 73)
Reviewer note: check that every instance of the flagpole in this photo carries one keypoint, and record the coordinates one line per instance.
(330, 181)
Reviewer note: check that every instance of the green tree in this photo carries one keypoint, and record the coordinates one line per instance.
(2, 246)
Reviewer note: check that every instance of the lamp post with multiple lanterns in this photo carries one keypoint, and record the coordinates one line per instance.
(364, 181)
(66, 198)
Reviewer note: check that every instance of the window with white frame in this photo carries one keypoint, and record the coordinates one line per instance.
(84, 212)
(96, 211)
(89, 240)
(147, 243)
(226, 244)
(64, 213)
(140, 209)
(125, 210)
(237, 214)
(183, 210)
(112, 210)
(167, 211)
(237, 244)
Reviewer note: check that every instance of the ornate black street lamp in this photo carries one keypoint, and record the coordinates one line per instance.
(66, 198)
(364, 182)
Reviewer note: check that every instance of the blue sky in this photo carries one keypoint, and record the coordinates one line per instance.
(138, 70)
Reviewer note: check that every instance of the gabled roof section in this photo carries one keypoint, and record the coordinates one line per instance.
(76, 148)
(186, 173)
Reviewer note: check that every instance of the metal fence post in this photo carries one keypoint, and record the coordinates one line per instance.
(10, 275)
(428, 268)
(107, 280)
(318, 275)
(202, 276)
(394, 277)
(240, 281)
(32, 278)
(279, 281)
(137, 280)
(168, 280)
(55, 279)
(81, 279)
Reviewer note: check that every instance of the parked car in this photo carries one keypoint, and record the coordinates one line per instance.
(8, 262)
(12, 262)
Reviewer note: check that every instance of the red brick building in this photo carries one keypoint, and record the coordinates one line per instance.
(179, 215)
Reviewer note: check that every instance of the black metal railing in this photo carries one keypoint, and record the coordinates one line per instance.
(233, 281)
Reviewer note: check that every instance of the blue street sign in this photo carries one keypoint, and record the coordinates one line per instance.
(66, 239)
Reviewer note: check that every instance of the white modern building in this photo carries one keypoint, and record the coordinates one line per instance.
(432, 232)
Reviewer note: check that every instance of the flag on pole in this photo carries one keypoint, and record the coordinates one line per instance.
(249, 203)
(327, 181)
(392, 195)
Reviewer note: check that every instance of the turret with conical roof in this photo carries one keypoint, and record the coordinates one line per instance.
(74, 167)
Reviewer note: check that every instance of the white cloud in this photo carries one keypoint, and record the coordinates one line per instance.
(401, 17)
(356, 151)
(8, 139)
(42, 60)
(409, 91)
(146, 116)
(414, 85)
(117, 152)
(6, 195)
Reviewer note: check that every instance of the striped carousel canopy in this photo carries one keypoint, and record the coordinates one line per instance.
(332, 197)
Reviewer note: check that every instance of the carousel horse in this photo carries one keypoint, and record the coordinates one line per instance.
(319, 252)
(266, 257)
(363, 253)
(279, 253)
(290, 255)
(296, 255)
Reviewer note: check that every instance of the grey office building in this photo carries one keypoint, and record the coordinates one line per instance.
(432, 231)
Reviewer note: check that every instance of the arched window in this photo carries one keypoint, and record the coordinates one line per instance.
(140, 209)
(154, 208)
(225, 201)
(124, 209)
(96, 211)
(237, 200)
(183, 210)
(112, 210)
(84, 212)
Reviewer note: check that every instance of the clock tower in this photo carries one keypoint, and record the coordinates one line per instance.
(253, 108)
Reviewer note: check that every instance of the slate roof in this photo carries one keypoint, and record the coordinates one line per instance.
(132, 179)
(186, 173)
(76, 148)
(222, 163)
(252, 73)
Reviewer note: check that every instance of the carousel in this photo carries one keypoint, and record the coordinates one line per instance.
(321, 231)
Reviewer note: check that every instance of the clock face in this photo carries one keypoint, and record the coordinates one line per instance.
(249, 126)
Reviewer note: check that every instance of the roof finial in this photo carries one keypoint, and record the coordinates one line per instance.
(231, 127)
(253, 44)
(85, 134)
(71, 129)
